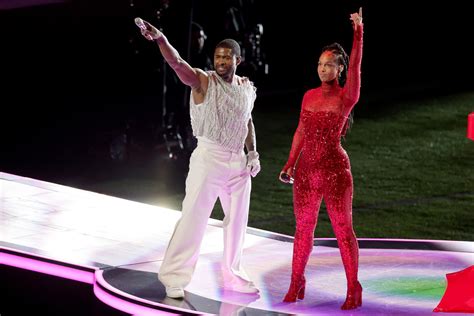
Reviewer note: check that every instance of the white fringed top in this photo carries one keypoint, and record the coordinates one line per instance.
(224, 114)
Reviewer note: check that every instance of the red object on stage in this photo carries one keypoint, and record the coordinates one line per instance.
(470, 126)
(459, 294)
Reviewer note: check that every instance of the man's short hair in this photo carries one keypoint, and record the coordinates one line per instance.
(231, 44)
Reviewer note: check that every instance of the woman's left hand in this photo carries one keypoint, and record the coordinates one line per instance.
(357, 18)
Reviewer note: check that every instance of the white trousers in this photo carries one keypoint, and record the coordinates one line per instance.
(213, 172)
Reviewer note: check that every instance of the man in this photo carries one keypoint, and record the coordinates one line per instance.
(220, 106)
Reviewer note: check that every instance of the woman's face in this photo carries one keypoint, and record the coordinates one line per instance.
(328, 68)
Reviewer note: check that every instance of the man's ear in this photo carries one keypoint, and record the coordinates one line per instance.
(238, 60)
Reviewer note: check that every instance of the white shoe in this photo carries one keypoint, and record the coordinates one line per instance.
(174, 292)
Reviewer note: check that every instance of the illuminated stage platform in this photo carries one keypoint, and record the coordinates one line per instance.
(117, 245)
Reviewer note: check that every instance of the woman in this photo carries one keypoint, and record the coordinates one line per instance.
(323, 169)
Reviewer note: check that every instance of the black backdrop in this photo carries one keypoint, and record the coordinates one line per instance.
(70, 68)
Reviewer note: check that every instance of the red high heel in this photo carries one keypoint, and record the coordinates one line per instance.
(296, 291)
(353, 298)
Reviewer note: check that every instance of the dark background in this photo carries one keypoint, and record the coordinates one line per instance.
(76, 74)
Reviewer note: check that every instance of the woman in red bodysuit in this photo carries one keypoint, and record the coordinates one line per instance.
(323, 169)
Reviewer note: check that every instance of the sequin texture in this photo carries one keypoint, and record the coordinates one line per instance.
(322, 171)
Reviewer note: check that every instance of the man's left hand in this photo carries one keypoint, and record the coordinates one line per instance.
(253, 163)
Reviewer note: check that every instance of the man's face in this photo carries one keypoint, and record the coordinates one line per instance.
(225, 62)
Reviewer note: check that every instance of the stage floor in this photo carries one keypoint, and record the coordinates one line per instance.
(117, 245)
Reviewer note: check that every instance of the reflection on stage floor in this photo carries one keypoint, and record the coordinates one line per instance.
(117, 245)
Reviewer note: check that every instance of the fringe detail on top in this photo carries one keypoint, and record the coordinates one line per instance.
(223, 116)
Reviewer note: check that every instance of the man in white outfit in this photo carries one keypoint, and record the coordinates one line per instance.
(221, 105)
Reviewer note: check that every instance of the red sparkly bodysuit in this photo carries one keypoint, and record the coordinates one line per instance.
(323, 171)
